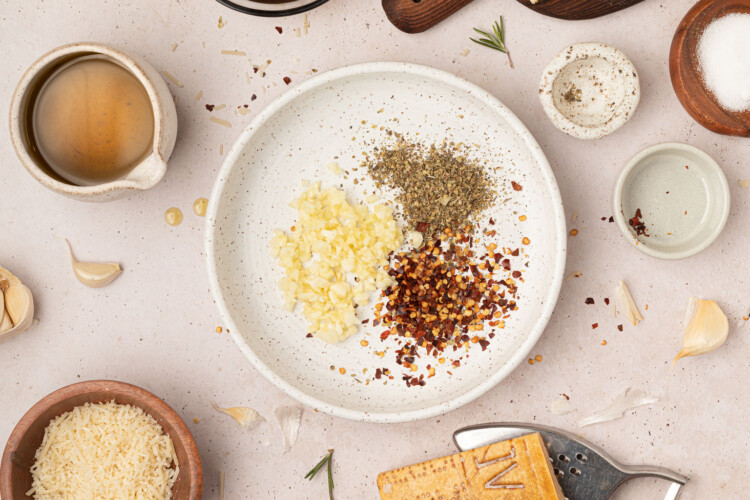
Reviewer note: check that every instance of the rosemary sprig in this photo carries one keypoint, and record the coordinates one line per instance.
(325, 460)
(495, 40)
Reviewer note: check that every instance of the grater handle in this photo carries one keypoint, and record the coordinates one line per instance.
(677, 480)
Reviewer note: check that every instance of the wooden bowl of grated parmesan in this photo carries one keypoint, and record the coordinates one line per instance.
(130, 415)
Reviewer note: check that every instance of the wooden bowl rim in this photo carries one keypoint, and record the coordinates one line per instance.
(677, 68)
(193, 468)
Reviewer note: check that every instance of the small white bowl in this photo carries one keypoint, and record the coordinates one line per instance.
(589, 90)
(683, 197)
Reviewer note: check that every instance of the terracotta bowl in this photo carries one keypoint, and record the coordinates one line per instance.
(687, 81)
(18, 457)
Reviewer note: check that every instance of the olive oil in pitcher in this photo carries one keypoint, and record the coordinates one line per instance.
(91, 121)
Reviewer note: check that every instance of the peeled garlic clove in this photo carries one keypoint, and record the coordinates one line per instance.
(248, 418)
(94, 274)
(707, 328)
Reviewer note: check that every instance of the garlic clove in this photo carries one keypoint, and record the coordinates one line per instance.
(17, 301)
(6, 324)
(94, 274)
(707, 328)
(16, 306)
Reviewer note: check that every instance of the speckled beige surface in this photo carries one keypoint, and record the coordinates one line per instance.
(155, 326)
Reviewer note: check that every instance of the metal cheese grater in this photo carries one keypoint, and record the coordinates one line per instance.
(583, 471)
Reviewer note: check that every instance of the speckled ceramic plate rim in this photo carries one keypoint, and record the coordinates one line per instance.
(708, 238)
(596, 49)
(517, 126)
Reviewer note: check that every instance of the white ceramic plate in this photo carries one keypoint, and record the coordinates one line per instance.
(329, 117)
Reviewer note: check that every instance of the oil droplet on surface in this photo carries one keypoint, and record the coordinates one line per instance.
(199, 207)
(173, 216)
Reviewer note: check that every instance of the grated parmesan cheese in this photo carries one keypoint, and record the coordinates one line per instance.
(104, 451)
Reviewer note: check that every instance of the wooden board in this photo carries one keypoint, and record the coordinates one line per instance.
(415, 16)
(578, 9)
(684, 69)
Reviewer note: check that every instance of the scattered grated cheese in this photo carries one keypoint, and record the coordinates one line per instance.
(174, 46)
(305, 24)
(465, 53)
(233, 53)
(104, 451)
(297, 32)
(172, 78)
(221, 122)
(198, 95)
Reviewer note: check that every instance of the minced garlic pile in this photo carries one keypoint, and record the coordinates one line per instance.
(333, 258)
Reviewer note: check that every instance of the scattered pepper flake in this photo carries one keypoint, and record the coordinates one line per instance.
(595, 326)
(287, 80)
(531, 361)
(522, 218)
(636, 222)
(210, 107)
(619, 327)
(279, 29)
(538, 358)
(342, 370)
(525, 240)
(574, 232)
(589, 300)
(516, 186)
(604, 342)
(219, 329)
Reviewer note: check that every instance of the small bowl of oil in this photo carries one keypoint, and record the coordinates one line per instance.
(93, 122)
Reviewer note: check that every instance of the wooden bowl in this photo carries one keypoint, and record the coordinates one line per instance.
(684, 70)
(18, 457)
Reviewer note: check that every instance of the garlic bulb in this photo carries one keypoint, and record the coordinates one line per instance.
(706, 328)
(94, 274)
(16, 306)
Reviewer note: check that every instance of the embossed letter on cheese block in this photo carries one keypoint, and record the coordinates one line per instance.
(517, 469)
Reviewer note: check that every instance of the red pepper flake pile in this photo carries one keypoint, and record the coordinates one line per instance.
(637, 224)
(442, 297)
(210, 107)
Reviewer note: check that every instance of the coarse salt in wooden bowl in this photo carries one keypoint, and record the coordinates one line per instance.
(18, 457)
(684, 69)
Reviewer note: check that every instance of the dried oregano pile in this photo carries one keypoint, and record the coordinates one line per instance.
(437, 188)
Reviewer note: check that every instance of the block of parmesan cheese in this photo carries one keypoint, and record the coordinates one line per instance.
(517, 469)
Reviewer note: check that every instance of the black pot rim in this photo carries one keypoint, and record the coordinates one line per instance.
(272, 13)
